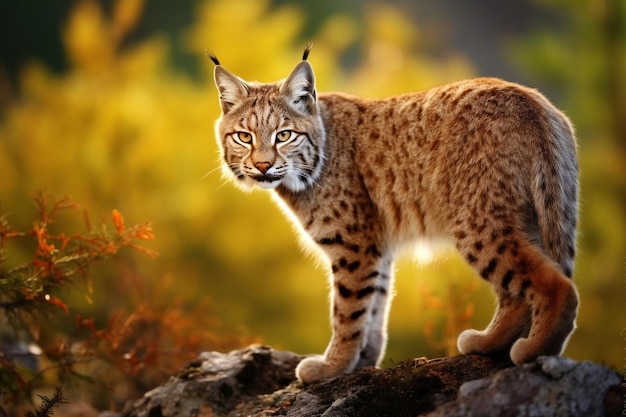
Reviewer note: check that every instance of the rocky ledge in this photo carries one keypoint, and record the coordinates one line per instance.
(260, 381)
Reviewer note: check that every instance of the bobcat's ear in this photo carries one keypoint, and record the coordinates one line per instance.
(299, 88)
(232, 89)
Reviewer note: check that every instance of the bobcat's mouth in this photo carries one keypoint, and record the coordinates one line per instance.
(267, 178)
(267, 181)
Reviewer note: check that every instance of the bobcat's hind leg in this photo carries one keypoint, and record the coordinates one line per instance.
(492, 255)
(538, 303)
(554, 304)
(511, 321)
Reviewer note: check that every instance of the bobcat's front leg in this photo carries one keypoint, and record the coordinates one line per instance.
(361, 282)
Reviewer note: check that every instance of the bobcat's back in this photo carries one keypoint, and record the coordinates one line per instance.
(475, 149)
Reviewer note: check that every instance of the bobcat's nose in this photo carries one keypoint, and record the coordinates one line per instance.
(263, 166)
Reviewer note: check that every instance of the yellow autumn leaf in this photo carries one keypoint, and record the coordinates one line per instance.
(126, 15)
(87, 38)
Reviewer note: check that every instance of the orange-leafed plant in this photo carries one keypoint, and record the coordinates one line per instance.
(32, 292)
(46, 341)
(58, 259)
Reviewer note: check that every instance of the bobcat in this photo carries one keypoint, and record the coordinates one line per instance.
(487, 165)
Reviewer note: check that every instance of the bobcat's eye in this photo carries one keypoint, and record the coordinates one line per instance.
(244, 137)
(283, 136)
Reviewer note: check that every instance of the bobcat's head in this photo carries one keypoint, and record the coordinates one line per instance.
(270, 134)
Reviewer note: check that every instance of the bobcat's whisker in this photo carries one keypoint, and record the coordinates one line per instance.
(210, 172)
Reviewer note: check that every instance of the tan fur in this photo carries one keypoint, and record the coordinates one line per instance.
(488, 165)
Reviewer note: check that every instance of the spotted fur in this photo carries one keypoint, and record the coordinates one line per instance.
(488, 165)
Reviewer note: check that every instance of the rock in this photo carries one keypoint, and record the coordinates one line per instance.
(259, 381)
(551, 386)
(215, 383)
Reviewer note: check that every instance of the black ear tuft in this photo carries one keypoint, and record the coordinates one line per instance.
(212, 57)
(307, 49)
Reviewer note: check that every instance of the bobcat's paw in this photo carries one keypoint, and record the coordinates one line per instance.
(315, 369)
(523, 352)
(527, 350)
(485, 342)
(472, 341)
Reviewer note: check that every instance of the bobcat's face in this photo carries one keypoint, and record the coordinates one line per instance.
(271, 134)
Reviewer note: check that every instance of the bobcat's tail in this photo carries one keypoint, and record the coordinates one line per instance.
(555, 188)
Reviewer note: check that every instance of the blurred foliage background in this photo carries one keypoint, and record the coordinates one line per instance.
(113, 104)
